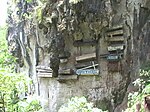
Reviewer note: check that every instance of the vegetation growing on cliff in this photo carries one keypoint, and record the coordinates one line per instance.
(13, 86)
(137, 97)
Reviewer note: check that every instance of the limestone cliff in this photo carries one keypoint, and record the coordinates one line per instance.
(91, 48)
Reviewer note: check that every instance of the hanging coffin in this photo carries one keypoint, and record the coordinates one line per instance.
(86, 57)
(118, 30)
(116, 47)
(44, 71)
(116, 39)
(115, 34)
(86, 65)
(66, 72)
(87, 72)
(113, 57)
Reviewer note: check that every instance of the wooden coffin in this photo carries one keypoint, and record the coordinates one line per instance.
(66, 72)
(44, 75)
(44, 71)
(116, 39)
(115, 32)
(88, 64)
(87, 72)
(116, 47)
(86, 57)
(114, 28)
(84, 42)
(113, 57)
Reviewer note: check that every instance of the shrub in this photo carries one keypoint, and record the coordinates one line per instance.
(76, 104)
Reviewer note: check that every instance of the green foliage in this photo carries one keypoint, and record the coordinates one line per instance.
(30, 105)
(29, 1)
(38, 13)
(13, 85)
(6, 60)
(76, 104)
(144, 89)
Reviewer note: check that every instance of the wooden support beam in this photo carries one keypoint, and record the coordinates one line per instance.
(66, 72)
(86, 57)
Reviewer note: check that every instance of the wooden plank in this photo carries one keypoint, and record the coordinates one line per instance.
(84, 42)
(45, 75)
(84, 64)
(113, 57)
(115, 28)
(67, 77)
(86, 57)
(66, 72)
(116, 32)
(87, 72)
(92, 66)
(116, 47)
(43, 70)
(43, 67)
(115, 38)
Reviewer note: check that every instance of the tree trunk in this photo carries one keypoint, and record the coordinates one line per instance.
(92, 48)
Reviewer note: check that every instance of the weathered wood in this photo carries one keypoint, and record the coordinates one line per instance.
(67, 77)
(120, 27)
(116, 47)
(84, 64)
(66, 72)
(113, 57)
(116, 32)
(84, 42)
(115, 38)
(45, 75)
(92, 66)
(86, 57)
(43, 67)
(43, 70)
(87, 72)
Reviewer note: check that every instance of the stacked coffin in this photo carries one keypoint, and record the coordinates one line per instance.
(44, 71)
(116, 46)
(87, 64)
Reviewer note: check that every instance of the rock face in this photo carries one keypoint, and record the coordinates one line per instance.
(91, 48)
